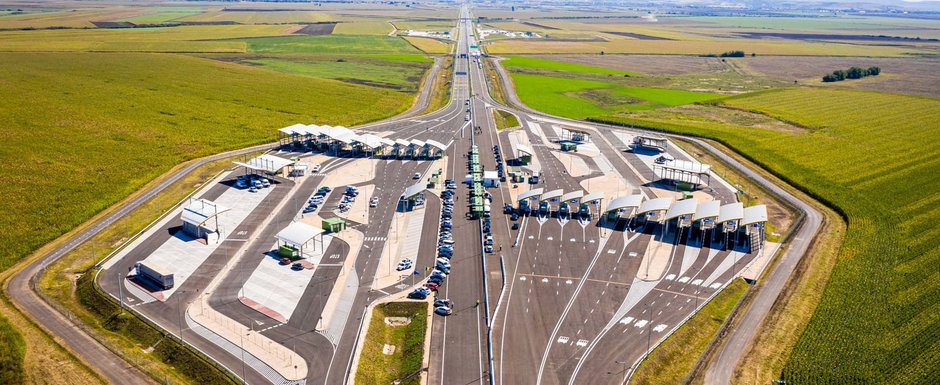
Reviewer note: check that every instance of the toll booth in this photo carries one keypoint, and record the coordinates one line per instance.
(334, 225)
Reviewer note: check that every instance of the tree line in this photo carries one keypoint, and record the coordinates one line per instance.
(851, 73)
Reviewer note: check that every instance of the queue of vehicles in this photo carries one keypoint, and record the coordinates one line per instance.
(445, 251)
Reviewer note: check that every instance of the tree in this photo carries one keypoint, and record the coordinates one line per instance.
(839, 74)
(856, 73)
(874, 71)
(829, 78)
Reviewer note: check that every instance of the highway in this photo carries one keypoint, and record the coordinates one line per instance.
(573, 307)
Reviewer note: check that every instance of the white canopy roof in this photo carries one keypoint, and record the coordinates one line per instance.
(437, 145)
(370, 140)
(593, 197)
(417, 143)
(312, 129)
(402, 142)
(530, 194)
(298, 233)
(413, 190)
(346, 138)
(631, 201)
(707, 210)
(520, 149)
(551, 195)
(658, 204)
(681, 208)
(687, 166)
(754, 214)
(266, 162)
(294, 129)
(387, 142)
(731, 212)
(572, 195)
(198, 211)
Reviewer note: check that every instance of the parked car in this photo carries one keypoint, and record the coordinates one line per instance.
(432, 285)
(419, 293)
(515, 226)
(285, 261)
(443, 302)
(297, 266)
(443, 310)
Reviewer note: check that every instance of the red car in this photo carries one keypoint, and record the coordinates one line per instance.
(285, 261)
(432, 285)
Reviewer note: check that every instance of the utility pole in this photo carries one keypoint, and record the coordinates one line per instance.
(120, 291)
(179, 314)
(649, 307)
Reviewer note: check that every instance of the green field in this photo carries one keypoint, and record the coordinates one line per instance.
(99, 126)
(375, 367)
(579, 98)
(401, 75)
(532, 62)
(163, 14)
(331, 44)
(874, 157)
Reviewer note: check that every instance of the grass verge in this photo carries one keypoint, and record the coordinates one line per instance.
(440, 89)
(12, 350)
(505, 119)
(494, 82)
(672, 361)
(405, 362)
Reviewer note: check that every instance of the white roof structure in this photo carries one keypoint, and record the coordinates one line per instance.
(437, 145)
(551, 195)
(707, 210)
(370, 140)
(417, 143)
(266, 162)
(345, 138)
(312, 130)
(413, 190)
(335, 132)
(572, 195)
(685, 207)
(402, 143)
(658, 204)
(198, 211)
(593, 197)
(687, 166)
(294, 129)
(387, 142)
(490, 175)
(298, 233)
(754, 214)
(631, 201)
(523, 149)
(731, 212)
(529, 194)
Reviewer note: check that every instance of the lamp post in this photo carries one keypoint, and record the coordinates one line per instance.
(649, 307)
(624, 363)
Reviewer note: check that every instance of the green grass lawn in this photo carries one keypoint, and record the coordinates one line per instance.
(580, 98)
(505, 119)
(84, 130)
(532, 62)
(874, 157)
(351, 44)
(387, 71)
(375, 367)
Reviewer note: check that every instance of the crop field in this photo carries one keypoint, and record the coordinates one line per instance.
(78, 18)
(331, 44)
(363, 27)
(197, 38)
(163, 14)
(429, 45)
(402, 74)
(533, 62)
(245, 17)
(578, 98)
(874, 156)
(108, 111)
(429, 25)
(814, 23)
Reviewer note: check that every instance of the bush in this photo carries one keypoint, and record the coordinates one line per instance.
(851, 73)
(733, 54)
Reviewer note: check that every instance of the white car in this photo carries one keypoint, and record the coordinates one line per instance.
(316, 168)
(417, 175)
(374, 202)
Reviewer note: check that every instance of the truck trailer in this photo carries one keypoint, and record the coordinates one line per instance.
(155, 273)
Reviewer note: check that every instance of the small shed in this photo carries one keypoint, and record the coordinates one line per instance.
(334, 225)
(490, 179)
(293, 238)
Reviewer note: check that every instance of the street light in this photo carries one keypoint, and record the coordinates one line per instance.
(649, 306)
(624, 363)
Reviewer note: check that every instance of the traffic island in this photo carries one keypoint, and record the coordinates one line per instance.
(395, 349)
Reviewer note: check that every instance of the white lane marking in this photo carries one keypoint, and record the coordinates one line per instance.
(632, 254)
(659, 328)
(568, 282)
(562, 340)
(641, 323)
(582, 343)
(683, 279)
(611, 251)
(522, 278)
(697, 282)
(715, 285)
(549, 238)
(544, 279)
(671, 277)
(626, 320)
(572, 239)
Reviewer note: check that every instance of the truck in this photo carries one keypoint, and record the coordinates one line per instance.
(563, 209)
(155, 273)
(543, 207)
(534, 179)
(584, 210)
